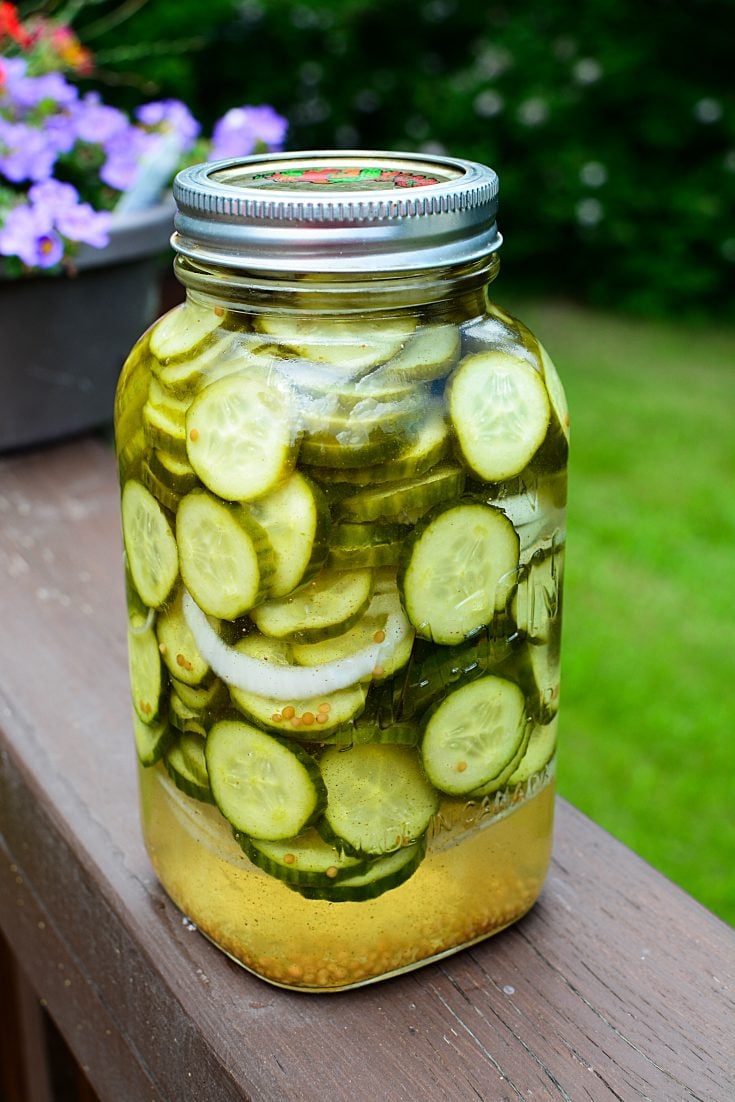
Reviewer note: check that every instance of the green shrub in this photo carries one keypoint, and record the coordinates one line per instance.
(612, 125)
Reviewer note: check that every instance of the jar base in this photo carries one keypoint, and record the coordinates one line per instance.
(484, 869)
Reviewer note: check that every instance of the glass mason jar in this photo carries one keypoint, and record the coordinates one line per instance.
(343, 491)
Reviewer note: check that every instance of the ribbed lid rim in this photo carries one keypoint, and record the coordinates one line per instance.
(254, 212)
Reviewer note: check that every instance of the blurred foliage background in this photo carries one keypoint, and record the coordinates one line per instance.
(611, 124)
(612, 127)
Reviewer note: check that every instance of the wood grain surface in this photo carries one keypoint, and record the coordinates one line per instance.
(616, 986)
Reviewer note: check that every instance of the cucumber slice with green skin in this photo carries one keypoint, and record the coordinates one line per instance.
(536, 603)
(146, 675)
(500, 411)
(172, 471)
(130, 455)
(428, 446)
(307, 718)
(164, 429)
(472, 735)
(541, 749)
(352, 346)
(412, 496)
(459, 570)
(362, 423)
(218, 356)
(226, 559)
(150, 546)
(177, 647)
(369, 629)
(296, 519)
(378, 798)
(187, 767)
(163, 493)
(503, 778)
(366, 545)
(263, 787)
(242, 435)
(555, 390)
(396, 734)
(323, 449)
(430, 354)
(328, 605)
(184, 718)
(152, 740)
(433, 672)
(183, 329)
(382, 875)
(203, 699)
(306, 861)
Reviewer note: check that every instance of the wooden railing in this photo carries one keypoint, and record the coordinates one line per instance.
(616, 986)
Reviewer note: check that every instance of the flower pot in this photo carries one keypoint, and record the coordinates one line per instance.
(63, 338)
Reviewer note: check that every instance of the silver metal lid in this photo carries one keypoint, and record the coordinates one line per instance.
(340, 211)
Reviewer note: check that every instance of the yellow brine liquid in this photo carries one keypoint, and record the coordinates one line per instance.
(484, 867)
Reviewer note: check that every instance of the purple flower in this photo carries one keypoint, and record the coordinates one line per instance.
(97, 123)
(84, 224)
(25, 93)
(170, 115)
(25, 152)
(124, 154)
(241, 129)
(28, 233)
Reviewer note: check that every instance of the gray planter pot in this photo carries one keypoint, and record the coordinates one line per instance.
(64, 339)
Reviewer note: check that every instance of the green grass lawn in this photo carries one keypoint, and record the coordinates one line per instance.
(648, 669)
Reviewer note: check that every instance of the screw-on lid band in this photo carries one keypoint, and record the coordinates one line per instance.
(338, 211)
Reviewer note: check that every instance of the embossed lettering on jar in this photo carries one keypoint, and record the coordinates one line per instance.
(343, 475)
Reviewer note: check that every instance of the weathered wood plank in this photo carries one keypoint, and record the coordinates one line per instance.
(616, 986)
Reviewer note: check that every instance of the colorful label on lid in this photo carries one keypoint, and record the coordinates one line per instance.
(342, 178)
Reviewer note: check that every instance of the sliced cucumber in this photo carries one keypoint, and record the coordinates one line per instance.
(152, 740)
(555, 390)
(433, 672)
(187, 767)
(500, 412)
(427, 446)
(540, 751)
(353, 345)
(173, 471)
(378, 798)
(382, 875)
(328, 605)
(226, 559)
(263, 787)
(430, 354)
(182, 330)
(163, 493)
(149, 544)
(165, 428)
(366, 545)
(472, 735)
(306, 861)
(503, 778)
(459, 570)
(369, 629)
(411, 497)
(130, 454)
(146, 675)
(203, 699)
(177, 646)
(307, 718)
(242, 435)
(394, 734)
(536, 603)
(216, 357)
(296, 520)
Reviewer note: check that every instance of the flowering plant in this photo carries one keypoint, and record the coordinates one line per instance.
(69, 162)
